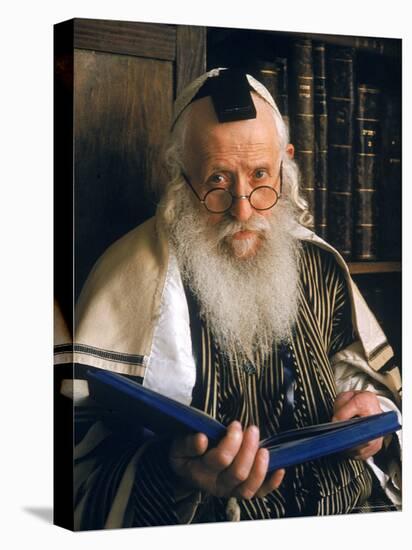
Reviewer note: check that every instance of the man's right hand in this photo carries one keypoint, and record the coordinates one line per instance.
(236, 467)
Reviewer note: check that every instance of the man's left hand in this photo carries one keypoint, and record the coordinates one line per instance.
(358, 403)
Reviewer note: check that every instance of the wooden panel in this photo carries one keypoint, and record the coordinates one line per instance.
(190, 54)
(122, 114)
(143, 39)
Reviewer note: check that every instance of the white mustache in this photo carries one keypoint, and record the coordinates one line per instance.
(228, 228)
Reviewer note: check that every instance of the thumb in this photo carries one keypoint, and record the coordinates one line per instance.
(189, 446)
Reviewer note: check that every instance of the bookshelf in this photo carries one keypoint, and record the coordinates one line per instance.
(346, 129)
(363, 268)
(365, 73)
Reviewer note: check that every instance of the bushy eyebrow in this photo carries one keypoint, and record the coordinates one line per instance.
(219, 168)
(256, 166)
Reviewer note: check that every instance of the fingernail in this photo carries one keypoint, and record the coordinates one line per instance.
(235, 427)
(254, 430)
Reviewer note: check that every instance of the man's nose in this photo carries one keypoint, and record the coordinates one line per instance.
(241, 208)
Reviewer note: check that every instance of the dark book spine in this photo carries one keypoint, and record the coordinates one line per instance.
(367, 173)
(340, 92)
(390, 192)
(274, 75)
(321, 140)
(302, 121)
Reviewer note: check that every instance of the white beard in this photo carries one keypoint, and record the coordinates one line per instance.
(248, 302)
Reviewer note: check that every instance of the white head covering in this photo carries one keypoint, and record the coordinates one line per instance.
(188, 93)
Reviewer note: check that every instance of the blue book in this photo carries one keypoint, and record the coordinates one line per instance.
(163, 415)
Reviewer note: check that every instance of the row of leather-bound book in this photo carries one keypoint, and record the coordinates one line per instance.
(347, 136)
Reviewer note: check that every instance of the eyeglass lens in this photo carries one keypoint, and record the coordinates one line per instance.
(220, 200)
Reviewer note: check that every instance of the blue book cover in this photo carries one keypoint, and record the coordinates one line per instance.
(163, 415)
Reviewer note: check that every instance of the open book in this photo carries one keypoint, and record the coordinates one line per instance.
(163, 415)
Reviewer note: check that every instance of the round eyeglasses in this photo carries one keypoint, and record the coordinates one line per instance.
(219, 200)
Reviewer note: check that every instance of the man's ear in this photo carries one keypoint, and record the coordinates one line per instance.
(290, 150)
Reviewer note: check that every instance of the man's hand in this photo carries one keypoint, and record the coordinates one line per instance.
(236, 467)
(358, 403)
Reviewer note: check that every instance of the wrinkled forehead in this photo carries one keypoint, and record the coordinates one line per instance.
(203, 129)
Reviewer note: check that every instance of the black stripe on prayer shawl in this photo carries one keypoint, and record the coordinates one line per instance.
(378, 350)
(99, 352)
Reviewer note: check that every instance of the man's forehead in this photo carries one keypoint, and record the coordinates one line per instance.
(204, 129)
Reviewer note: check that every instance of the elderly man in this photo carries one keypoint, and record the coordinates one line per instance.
(203, 304)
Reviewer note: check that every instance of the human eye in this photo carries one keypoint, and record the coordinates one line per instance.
(260, 174)
(217, 179)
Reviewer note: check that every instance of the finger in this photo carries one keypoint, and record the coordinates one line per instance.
(221, 457)
(366, 450)
(356, 452)
(189, 446)
(342, 399)
(256, 477)
(241, 467)
(271, 483)
(361, 404)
